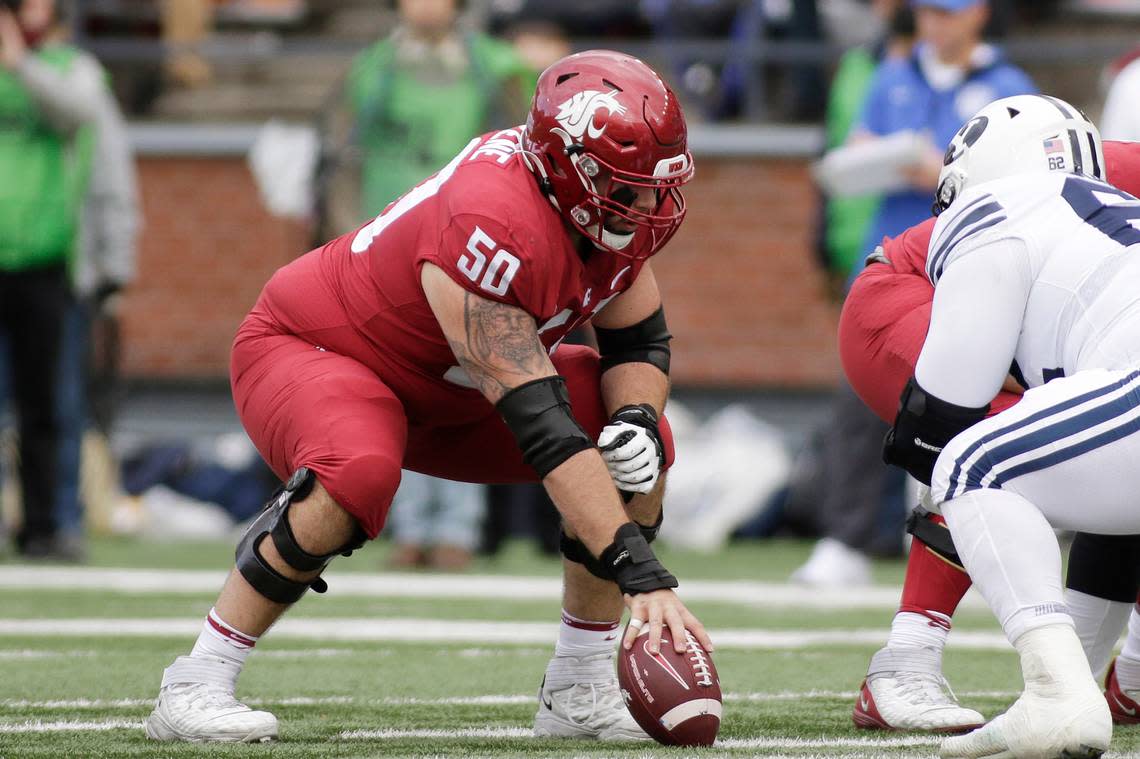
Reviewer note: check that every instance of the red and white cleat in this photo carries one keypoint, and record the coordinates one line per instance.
(905, 690)
(1122, 704)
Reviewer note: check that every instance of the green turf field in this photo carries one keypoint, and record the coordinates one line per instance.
(436, 666)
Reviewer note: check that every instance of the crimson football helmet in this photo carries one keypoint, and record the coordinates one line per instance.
(607, 140)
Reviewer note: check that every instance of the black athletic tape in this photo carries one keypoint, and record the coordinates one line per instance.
(1105, 566)
(646, 342)
(539, 415)
(933, 535)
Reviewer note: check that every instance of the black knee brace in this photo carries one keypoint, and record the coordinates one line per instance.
(1105, 566)
(274, 522)
(933, 535)
(576, 551)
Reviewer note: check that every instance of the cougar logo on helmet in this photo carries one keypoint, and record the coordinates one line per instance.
(965, 138)
(576, 115)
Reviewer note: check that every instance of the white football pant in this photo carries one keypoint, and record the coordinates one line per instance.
(1067, 456)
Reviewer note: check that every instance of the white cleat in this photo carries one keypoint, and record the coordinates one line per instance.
(580, 698)
(196, 704)
(1061, 714)
(905, 690)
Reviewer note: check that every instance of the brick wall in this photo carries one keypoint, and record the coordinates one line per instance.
(207, 248)
(743, 296)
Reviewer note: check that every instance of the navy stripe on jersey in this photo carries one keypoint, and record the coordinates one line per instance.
(964, 478)
(946, 230)
(969, 223)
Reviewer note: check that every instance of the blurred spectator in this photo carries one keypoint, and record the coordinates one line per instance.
(724, 88)
(181, 489)
(418, 96)
(435, 523)
(591, 19)
(848, 219)
(950, 75)
(50, 94)
(104, 263)
(538, 43)
(185, 25)
(415, 99)
(929, 94)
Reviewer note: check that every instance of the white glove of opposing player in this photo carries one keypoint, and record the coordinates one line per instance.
(631, 452)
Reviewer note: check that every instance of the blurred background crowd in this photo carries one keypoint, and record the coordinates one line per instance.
(161, 158)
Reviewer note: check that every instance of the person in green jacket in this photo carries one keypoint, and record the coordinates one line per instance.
(45, 142)
(848, 219)
(419, 95)
(416, 98)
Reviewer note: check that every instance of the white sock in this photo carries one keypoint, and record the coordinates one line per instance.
(1098, 622)
(222, 641)
(1011, 554)
(1128, 663)
(912, 630)
(580, 637)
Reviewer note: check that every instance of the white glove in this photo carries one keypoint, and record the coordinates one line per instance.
(632, 455)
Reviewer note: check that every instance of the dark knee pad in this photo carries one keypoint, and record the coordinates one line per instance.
(273, 521)
(934, 535)
(1105, 566)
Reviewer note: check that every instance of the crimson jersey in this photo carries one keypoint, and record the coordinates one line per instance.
(886, 315)
(484, 221)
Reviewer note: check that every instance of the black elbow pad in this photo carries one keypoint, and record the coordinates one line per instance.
(646, 342)
(538, 414)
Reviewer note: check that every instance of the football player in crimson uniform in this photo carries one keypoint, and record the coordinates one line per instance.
(881, 331)
(431, 339)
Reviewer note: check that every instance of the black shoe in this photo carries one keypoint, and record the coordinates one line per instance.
(53, 548)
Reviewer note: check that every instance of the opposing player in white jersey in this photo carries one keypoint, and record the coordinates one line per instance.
(1036, 267)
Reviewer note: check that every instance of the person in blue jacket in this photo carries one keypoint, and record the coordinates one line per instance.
(950, 75)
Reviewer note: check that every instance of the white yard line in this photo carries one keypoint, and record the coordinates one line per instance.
(491, 587)
(39, 726)
(36, 653)
(489, 700)
(788, 742)
(466, 732)
(331, 629)
(793, 742)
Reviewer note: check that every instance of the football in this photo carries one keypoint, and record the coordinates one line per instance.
(674, 697)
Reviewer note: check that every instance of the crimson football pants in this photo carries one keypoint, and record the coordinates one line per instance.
(304, 406)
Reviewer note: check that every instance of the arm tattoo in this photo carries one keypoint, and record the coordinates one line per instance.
(500, 340)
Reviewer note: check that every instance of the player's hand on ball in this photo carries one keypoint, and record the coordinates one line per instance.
(631, 447)
(657, 610)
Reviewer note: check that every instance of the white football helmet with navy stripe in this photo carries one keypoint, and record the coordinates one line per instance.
(1019, 135)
